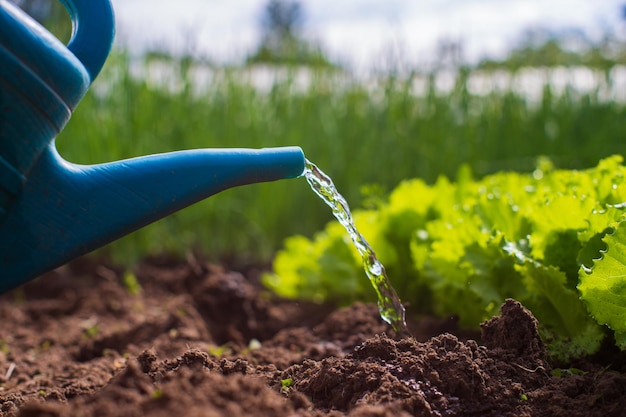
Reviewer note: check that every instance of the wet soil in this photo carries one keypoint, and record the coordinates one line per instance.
(197, 340)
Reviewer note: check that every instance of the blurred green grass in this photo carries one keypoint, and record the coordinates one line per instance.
(365, 135)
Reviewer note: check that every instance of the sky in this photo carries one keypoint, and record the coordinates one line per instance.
(360, 33)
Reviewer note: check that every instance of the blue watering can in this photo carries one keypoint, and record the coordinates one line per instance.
(51, 210)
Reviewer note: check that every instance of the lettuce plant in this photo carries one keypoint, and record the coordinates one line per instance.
(553, 239)
(603, 287)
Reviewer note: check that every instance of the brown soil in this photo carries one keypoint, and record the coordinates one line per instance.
(201, 341)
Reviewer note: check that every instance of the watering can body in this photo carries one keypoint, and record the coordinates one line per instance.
(52, 210)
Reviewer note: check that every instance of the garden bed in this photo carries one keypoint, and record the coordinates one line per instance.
(194, 339)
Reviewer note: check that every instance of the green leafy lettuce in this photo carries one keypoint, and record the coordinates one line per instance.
(604, 286)
(551, 239)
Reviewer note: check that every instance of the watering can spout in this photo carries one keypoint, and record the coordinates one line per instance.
(89, 206)
(51, 210)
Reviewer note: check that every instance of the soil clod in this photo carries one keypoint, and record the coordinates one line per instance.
(201, 341)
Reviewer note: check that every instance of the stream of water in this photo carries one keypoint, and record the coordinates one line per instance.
(389, 304)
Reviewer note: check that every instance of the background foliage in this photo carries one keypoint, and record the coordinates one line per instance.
(368, 135)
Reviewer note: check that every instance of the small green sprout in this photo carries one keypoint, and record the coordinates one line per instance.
(218, 351)
(285, 385)
(561, 373)
(91, 332)
(131, 283)
(4, 346)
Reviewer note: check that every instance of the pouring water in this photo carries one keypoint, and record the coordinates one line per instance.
(389, 304)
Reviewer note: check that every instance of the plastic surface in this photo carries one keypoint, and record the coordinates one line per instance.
(67, 210)
(93, 32)
(51, 210)
(42, 81)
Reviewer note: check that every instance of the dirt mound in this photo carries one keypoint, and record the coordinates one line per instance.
(195, 340)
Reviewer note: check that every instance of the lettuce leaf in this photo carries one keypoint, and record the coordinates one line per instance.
(603, 287)
(462, 248)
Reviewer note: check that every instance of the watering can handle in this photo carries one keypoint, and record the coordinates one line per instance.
(93, 29)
